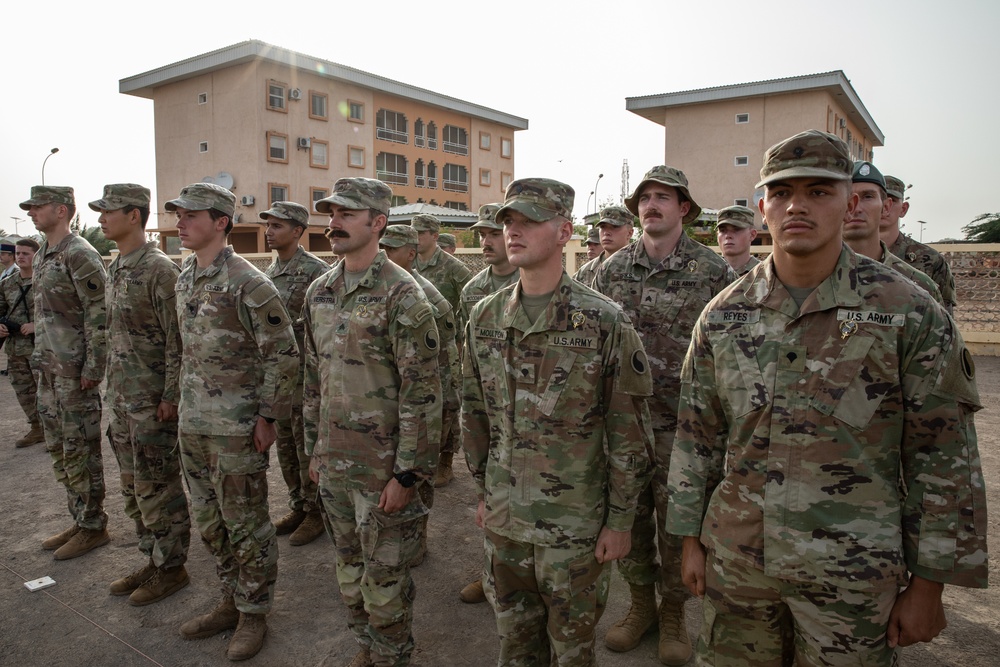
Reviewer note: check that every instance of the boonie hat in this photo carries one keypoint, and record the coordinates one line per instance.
(665, 175)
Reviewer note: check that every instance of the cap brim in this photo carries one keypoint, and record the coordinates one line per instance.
(531, 211)
(803, 172)
(323, 205)
(100, 205)
(391, 243)
(25, 205)
(486, 224)
(185, 204)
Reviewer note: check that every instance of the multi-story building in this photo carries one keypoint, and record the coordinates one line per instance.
(718, 136)
(273, 124)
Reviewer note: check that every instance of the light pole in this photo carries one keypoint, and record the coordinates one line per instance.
(596, 204)
(588, 202)
(16, 220)
(921, 223)
(51, 153)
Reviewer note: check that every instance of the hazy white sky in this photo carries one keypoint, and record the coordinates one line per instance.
(926, 71)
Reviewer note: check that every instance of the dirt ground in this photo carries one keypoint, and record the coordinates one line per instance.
(77, 623)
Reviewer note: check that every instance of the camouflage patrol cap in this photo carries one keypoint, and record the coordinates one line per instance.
(593, 236)
(396, 236)
(357, 194)
(538, 199)
(49, 194)
(425, 222)
(120, 195)
(866, 172)
(740, 217)
(488, 217)
(203, 196)
(619, 216)
(808, 154)
(664, 175)
(287, 210)
(894, 187)
(447, 241)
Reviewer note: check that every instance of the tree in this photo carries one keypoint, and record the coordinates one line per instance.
(95, 236)
(984, 228)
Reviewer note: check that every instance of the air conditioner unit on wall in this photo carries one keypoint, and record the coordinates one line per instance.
(304, 142)
(843, 122)
(246, 200)
(295, 94)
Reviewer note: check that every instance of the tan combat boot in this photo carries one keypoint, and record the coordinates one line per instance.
(444, 472)
(133, 580)
(308, 530)
(626, 634)
(62, 538)
(224, 617)
(675, 646)
(289, 522)
(83, 541)
(162, 584)
(362, 659)
(33, 437)
(473, 593)
(248, 638)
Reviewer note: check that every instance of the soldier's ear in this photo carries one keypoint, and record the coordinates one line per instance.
(904, 209)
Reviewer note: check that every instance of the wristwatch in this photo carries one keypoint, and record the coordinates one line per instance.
(406, 479)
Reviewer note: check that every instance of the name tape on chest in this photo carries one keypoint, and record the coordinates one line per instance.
(566, 340)
(733, 316)
(494, 334)
(215, 288)
(872, 317)
(473, 298)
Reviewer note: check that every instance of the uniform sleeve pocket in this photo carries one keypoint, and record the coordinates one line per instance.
(938, 525)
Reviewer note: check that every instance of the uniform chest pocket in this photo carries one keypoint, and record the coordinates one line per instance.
(493, 377)
(746, 389)
(554, 379)
(856, 382)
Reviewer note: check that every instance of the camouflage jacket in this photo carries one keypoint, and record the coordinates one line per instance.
(833, 443)
(144, 342)
(663, 301)
(292, 280)
(588, 271)
(555, 424)
(371, 401)
(11, 289)
(745, 269)
(449, 275)
(481, 286)
(239, 356)
(912, 273)
(928, 260)
(448, 364)
(68, 285)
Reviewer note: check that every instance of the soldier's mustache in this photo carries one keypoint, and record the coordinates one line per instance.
(336, 234)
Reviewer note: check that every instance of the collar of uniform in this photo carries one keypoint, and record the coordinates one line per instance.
(217, 263)
(555, 317)
(431, 262)
(677, 260)
(367, 280)
(839, 289)
(133, 257)
(290, 264)
(46, 249)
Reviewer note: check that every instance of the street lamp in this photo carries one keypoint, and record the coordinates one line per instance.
(922, 223)
(588, 202)
(596, 204)
(51, 153)
(16, 220)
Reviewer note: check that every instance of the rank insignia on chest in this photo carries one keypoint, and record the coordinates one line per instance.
(578, 319)
(911, 256)
(847, 329)
(206, 297)
(362, 311)
(693, 265)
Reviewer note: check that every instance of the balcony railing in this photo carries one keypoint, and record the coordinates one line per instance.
(392, 177)
(457, 149)
(456, 186)
(425, 182)
(418, 140)
(392, 135)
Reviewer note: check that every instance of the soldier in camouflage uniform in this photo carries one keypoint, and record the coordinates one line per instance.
(662, 280)
(373, 417)
(922, 257)
(614, 228)
(144, 354)
(593, 243)
(68, 286)
(447, 243)
(862, 227)
(292, 272)
(826, 451)
(735, 231)
(555, 429)
(400, 246)
(238, 372)
(449, 275)
(17, 305)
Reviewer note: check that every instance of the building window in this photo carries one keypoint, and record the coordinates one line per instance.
(432, 176)
(315, 194)
(456, 205)
(419, 138)
(506, 147)
(456, 178)
(456, 140)
(317, 105)
(356, 157)
(277, 147)
(202, 98)
(319, 154)
(355, 111)
(484, 177)
(741, 202)
(742, 118)
(203, 147)
(391, 168)
(419, 179)
(741, 161)
(505, 180)
(276, 192)
(432, 136)
(276, 96)
(484, 140)
(397, 200)
(391, 126)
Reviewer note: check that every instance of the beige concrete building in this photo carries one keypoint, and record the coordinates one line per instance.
(273, 124)
(718, 136)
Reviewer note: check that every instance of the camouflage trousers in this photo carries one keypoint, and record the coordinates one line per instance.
(450, 429)
(294, 463)
(150, 468)
(374, 550)
(71, 419)
(547, 601)
(23, 382)
(753, 620)
(227, 480)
